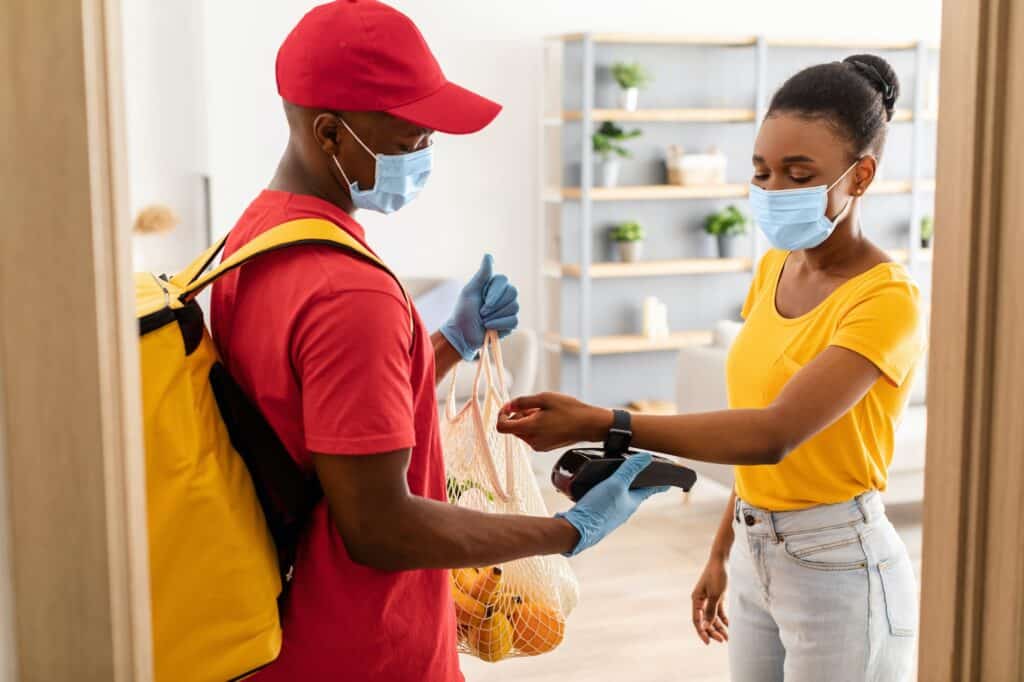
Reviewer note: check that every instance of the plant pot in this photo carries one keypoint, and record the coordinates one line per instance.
(926, 243)
(629, 252)
(629, 98)
(608, 173)
(726, 246)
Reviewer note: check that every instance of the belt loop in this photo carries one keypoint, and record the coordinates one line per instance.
(862, 505)
(770, 516)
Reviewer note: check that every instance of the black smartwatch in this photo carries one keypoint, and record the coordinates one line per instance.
(620, 435)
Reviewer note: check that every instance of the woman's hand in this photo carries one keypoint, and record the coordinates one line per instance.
(709, 619)
(553, 420)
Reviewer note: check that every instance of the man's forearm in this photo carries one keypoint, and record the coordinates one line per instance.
(432, 534)
(445, 356)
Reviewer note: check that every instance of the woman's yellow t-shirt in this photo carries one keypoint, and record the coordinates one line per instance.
(876, 314)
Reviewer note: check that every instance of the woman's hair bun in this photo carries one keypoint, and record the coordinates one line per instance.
(881, 76)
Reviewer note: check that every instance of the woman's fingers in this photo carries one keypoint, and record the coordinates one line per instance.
(527, 402)
(519, 423)
(507, 414)
(707, 617)
(699, 599)
(720, 629)
(698, 622)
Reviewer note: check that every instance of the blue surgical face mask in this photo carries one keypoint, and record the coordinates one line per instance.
(794, 219)
(397, 180)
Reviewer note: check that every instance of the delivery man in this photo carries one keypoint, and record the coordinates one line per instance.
(321, 341)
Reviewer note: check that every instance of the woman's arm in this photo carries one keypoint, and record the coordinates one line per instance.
(724, 536)
(708, 596)
(819, 394)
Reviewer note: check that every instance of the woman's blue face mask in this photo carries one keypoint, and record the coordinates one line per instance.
(795, 219)
(398, 178)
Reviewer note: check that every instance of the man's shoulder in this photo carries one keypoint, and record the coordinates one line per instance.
(343, 271)
(320, 268)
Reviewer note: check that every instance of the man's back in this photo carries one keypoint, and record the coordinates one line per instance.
(320, 340)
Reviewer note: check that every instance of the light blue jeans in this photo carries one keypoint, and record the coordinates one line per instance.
(821, 594)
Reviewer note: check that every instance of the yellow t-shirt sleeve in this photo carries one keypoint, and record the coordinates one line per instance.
(884, 326)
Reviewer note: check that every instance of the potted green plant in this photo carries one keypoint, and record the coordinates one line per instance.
(607, 144)
(927, 231)
(631, 77)
(628, 238)
(725, 226)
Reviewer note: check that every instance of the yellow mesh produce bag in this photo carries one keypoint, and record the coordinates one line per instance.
(518, 608)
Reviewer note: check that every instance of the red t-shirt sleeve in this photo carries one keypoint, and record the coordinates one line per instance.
(350, 351)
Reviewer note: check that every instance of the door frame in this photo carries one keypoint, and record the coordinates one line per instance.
(70, 438)
(74, 468)
(972, 617)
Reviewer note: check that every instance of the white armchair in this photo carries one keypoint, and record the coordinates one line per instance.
(700, 387)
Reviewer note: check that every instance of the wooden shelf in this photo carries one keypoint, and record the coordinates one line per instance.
(663, 39)
(667, 115)
(688, 266)
(552, 269)
(693, 115)
(635, 343)
(736, 191)
(891, 187)
(657, 268)
(816, 43)
(741, 41)
(644, 192)
(902, 256)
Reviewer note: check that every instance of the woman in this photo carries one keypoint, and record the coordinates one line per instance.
(821, 585)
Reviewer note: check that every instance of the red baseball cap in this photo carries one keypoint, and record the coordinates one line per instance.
(363, 55)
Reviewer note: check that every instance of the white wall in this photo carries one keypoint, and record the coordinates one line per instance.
(166, 123)
(483, 194)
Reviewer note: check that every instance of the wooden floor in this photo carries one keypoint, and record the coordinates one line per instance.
(633, 620)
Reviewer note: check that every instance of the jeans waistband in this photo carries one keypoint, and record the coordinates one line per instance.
(864, 508)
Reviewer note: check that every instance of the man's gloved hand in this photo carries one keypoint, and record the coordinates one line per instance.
(609, 504)
(487, 302)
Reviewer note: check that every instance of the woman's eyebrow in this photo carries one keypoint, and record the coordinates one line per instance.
(799, 158)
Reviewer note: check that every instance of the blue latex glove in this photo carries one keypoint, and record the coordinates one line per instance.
(609, 504)
(488, 301)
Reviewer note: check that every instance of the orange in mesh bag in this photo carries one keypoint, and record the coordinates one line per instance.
(518, 608)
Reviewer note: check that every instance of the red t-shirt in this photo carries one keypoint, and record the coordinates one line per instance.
(320, 340)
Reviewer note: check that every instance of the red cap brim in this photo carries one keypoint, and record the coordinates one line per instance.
(451, 109)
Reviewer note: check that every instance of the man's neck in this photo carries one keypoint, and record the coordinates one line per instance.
(292, 176)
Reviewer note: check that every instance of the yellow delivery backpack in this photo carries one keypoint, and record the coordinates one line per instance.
(225, 501)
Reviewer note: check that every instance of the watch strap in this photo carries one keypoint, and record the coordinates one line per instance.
(620, 435)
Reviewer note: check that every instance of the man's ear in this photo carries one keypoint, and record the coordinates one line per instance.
(864, 174)
(325, 131)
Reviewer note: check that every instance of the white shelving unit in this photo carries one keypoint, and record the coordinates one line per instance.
(582, 345)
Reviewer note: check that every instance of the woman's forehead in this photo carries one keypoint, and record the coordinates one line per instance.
(784, 136)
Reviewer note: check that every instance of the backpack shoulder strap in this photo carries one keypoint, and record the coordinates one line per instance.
(293, 233)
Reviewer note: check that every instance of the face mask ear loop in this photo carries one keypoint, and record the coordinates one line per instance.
(849, 202)
(340, 170)
(845, 173)
(356, 137)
